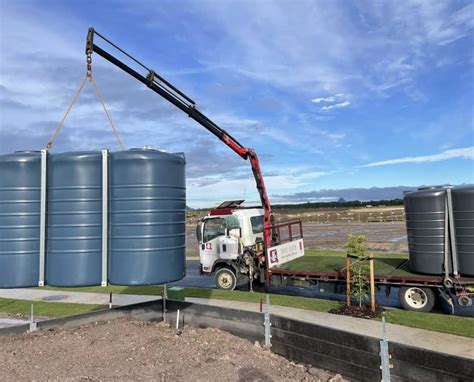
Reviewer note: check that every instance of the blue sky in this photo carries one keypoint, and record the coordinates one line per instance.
(331, 94)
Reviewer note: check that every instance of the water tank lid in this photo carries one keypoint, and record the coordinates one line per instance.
(434, 187)
(76, 155)
(21, 156)
(147, 153)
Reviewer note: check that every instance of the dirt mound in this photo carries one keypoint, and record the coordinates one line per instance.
(136, 350)
(356, 311)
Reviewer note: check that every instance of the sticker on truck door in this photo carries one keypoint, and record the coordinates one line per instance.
(283, 253)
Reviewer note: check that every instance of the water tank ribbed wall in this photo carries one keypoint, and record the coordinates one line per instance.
(20, 188)
(147, 217)
(463, 210)
(425, 220)
(74, 228)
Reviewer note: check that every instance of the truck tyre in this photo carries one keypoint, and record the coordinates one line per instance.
(417, 299)
(225, 279)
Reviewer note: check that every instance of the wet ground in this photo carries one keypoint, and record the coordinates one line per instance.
(383, 237)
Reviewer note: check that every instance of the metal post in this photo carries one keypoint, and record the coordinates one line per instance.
(372, 284)
(348, 281)
(165, 296)
(42, 243)
(267, 323)
(446, 241)
(105, 212)
(452, 232)
(177, 319)
(385, 365)
(33, 324)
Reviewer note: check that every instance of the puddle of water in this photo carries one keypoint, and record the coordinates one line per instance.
(56, 297)
(396, 239)
(319, 234)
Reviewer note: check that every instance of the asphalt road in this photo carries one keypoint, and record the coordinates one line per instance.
(323, 291)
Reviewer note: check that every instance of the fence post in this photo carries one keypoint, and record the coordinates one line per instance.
(372, 284)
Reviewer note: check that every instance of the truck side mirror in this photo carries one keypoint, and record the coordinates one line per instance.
(199, 232)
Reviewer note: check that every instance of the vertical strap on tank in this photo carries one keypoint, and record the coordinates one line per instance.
(105, 212)
(42, 244)
(452, 232)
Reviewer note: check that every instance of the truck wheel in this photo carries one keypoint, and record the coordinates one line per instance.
(417, 299)
(225, 279)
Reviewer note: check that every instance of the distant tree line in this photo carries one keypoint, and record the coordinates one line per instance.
(340, 203)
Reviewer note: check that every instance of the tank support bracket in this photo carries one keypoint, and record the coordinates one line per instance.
(42, 243)
(104, 216)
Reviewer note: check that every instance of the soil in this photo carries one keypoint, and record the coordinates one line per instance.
(356, 311)
(124, 350)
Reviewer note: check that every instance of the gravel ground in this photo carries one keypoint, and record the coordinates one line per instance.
(124, 350)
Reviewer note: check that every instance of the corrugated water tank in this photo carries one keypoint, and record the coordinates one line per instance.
(74, 219)
(463, 211)
(425, 221)
(20, 187)
(147, 193)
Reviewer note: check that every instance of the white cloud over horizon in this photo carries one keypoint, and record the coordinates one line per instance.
(465, 153)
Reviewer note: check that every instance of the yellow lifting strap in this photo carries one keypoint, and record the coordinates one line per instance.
(87, 77)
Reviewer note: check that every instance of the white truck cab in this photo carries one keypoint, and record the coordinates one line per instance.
(231, 244)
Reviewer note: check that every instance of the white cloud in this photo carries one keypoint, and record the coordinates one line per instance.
(365, 49)
(328, 99)
(336, 106)
(336, 136)
(465, 153)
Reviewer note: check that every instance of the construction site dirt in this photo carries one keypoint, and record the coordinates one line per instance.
(127, 350)
(381, 236)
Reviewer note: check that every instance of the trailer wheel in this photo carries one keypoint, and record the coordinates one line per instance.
(225, 279)
(417, 299)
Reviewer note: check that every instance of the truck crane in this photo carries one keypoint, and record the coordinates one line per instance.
(233, 253)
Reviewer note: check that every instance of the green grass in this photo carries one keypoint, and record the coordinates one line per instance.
(316, 260)
(46, 309)
(155, 290)
(461, 326)
(275, 299)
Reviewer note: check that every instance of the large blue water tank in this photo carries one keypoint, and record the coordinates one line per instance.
(20, 187)
(425, 221)
(74, 228)
(463, 211)
(147, 217)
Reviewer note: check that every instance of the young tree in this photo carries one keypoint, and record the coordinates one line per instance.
(357, 246)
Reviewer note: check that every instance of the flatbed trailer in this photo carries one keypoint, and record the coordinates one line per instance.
(417, 292)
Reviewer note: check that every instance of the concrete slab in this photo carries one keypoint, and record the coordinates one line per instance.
(73, 297)
(6, 322)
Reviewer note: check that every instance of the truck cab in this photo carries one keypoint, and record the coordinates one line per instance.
(231, 244)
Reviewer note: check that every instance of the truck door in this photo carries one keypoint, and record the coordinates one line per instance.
(212, 231)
